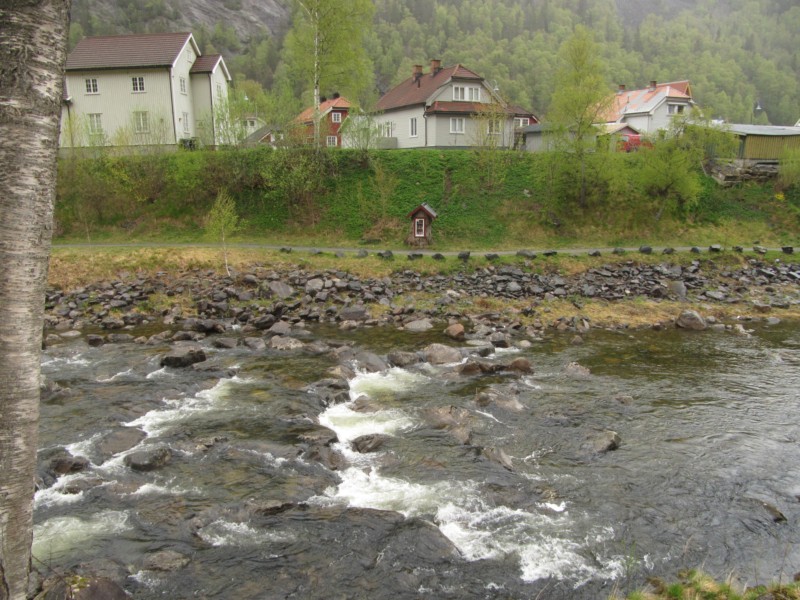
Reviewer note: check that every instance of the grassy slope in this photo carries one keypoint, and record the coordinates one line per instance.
(484, 201)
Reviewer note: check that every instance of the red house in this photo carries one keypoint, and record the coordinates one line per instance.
(332, 112)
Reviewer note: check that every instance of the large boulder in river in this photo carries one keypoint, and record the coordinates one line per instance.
(455, 421)
(691, 319)
(602, 442)
(149, 460)
(440, 354)
(183, 356)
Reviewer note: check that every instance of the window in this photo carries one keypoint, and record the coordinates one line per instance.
(250, 123)
(419, 227)
(219, 91)
(186, 122)
(91, 86)
(387, 129)
(141, 122)
(332, 141)
(138, 84)
(412, 127)
(494, 127)
(522, 122)
(460, 92)
(456, 124)
(336, 117)
(183, 85)
(95, 123)
(675, 109)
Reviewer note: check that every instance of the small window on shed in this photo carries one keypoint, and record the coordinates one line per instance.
(419, 228)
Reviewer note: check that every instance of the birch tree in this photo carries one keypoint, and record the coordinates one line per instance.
(325, 49)
(33, 40)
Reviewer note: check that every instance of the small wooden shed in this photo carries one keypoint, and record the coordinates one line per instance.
(421, 219)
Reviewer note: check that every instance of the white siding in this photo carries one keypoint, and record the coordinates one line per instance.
(116, 102)
(182, 101)
(400, 121)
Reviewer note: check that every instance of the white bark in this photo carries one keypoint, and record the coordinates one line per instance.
(33, 36)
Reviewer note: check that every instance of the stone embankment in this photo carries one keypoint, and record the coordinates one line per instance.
(262, 303)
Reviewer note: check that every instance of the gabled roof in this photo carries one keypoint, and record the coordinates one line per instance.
(647, 99)
(779, 130)
(424, 207)
(417, 89)
(340, 103)
(208, 63)
(129, 51)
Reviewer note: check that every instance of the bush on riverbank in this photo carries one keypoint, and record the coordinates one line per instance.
(344, 197)
(696, 585)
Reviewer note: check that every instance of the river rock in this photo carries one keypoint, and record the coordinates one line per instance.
(280, 328)
(149, 460)
(690, 319)
(419, 325)
(455, 332)
(285, 343)
(455, 421)
(63, 465)
(370, 362)
(281, 290)
(505, 398)
(677, 288)
(95, 340)
(603, 442)
(326, 456)
(353, 313)
(255, 343)
(399, 358)
(63, 587)
(439, 354)
(119, 441)
(225, 343)
(165, 560)
(497, 455)
(521, 365)
(577, 371)
(369, 443)
(183, 356)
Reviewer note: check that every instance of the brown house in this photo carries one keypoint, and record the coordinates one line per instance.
(421, 219)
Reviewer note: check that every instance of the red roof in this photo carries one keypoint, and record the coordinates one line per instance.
(644, 100)
(128, 51)
(334, 103)
(416, 90)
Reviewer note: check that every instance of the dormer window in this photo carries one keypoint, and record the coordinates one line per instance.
(675, 109)
(464, 92)
(336, 117)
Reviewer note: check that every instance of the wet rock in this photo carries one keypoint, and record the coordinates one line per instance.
(455, 331)
(183, 356)
(71, 587)
(149, 460)
(255, 343)
(776, 515)
(326, 456)
(453, 420)
(603, 442)
(419, 325)
(225, 343)
(497, 455)
(398, 358)
(575, 370)
(285, 343)
(503, 398)
(95, 340)
(353, 313)
(439, 354)
(370, 362)
(67, 464)
(165, 560)
(500, 340)
(521, 365)
(119, 441)
(280, 328)
(369, 443)
(690, 319)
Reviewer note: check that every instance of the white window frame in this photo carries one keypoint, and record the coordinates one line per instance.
(137, 83)
(474, 94)
(459, 92)
(458, 125)
(412, 127)
(419, 228)
(91, 86)
(332, 141)
(494, 127)
(183, 85)
(675, 109)
(95, 121)
(522, 121)
(141, 121)
(186, 122)
(387, 129)
(336, 117)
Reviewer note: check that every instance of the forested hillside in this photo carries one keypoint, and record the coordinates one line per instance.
(737, 53)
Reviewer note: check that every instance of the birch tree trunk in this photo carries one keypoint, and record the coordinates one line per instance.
(33, 35)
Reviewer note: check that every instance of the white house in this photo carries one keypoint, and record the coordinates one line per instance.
(449, 107)
(652, 108)
(147, 89)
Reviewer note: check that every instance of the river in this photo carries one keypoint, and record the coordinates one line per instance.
(708, 462)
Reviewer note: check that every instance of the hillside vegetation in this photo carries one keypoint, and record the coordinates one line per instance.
(485, 199)
(737, 53)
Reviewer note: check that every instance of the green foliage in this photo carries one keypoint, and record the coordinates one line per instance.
(789, 170)
(222, 222)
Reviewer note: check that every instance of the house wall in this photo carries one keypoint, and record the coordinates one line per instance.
(400, 119)
(768, 147)
(182, 101)
(116, 102)
(209, 93)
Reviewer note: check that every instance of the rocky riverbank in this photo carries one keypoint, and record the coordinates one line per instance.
(500, 300)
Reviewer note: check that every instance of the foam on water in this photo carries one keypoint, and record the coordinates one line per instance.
(156, 421)
(227, 533)
(54, 497)
(60, 535)
(349, 424)
(162, 373)
(115, 377)
(386, 383)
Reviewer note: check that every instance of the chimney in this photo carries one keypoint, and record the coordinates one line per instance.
(416, 75)
(323, 99)
(621, 89)
(436, 66)
(652, 84)
(336, 95)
